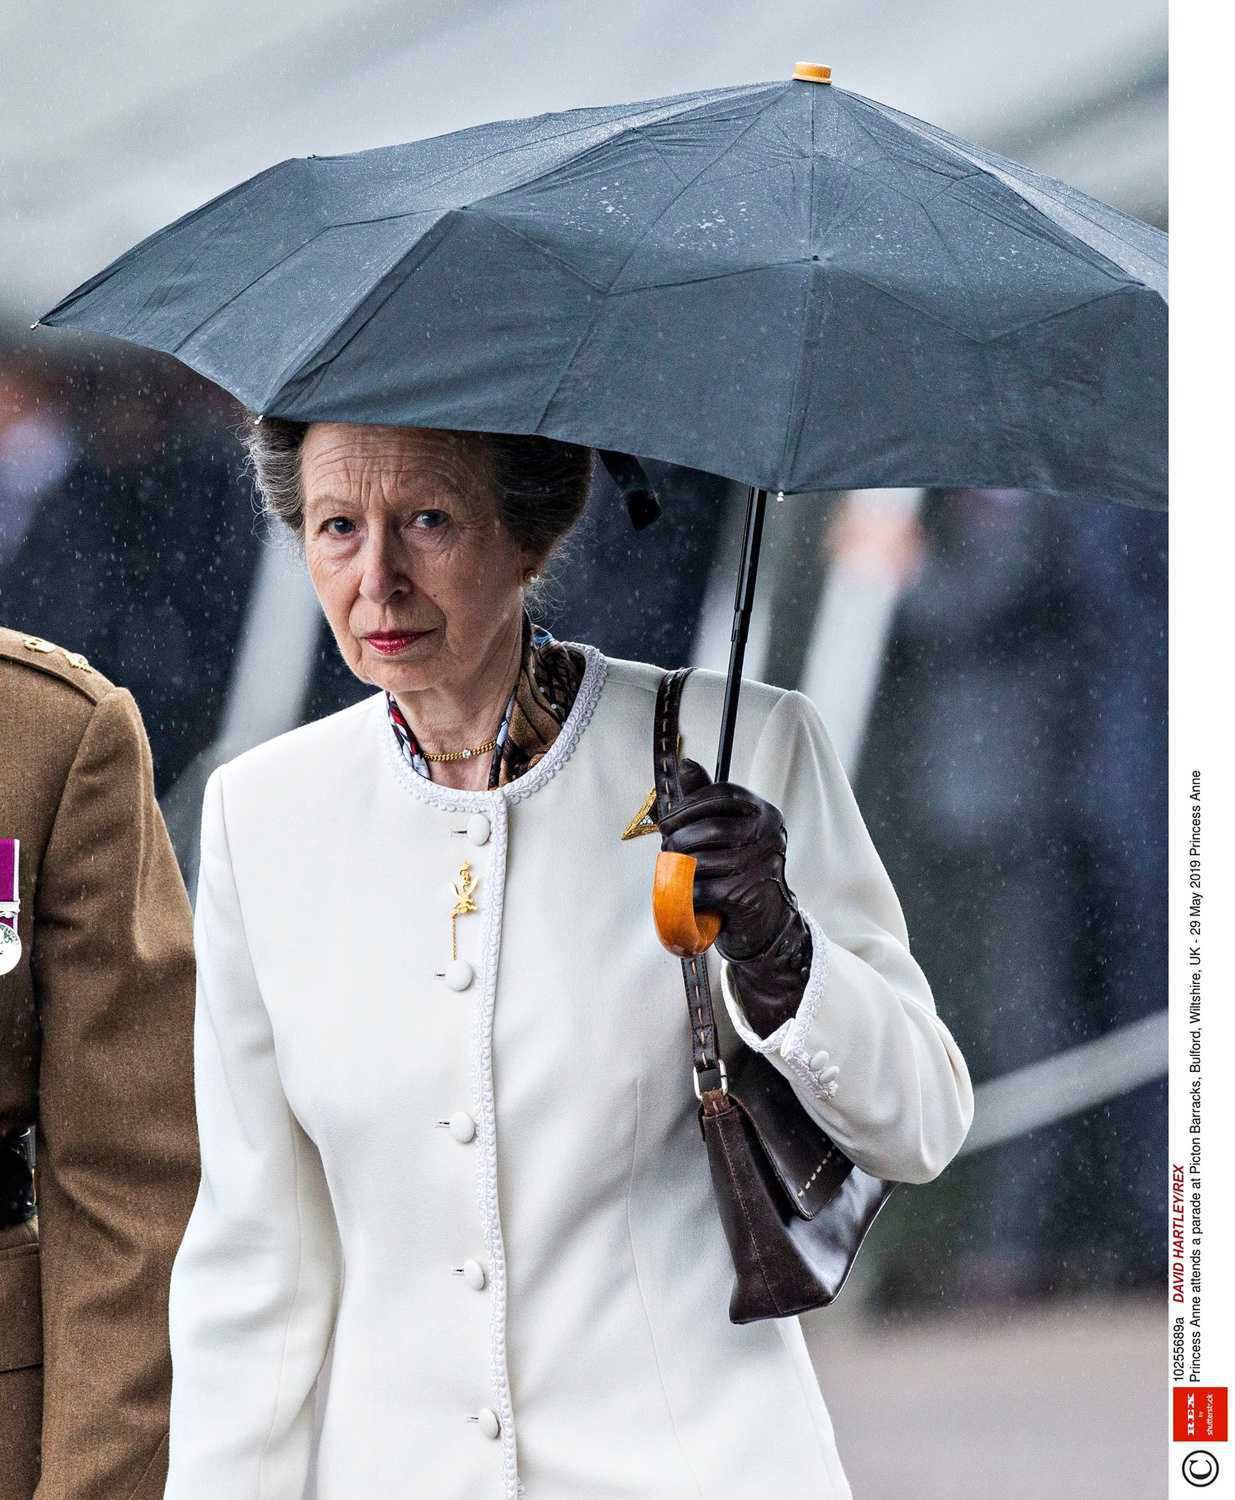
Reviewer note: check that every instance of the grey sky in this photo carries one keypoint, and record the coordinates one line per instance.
(115, 119)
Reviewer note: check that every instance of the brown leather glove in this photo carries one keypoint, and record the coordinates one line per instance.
(739, 842)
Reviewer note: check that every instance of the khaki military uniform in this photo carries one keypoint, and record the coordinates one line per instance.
(96, 1053)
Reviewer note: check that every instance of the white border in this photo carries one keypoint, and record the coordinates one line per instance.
(1202, 581)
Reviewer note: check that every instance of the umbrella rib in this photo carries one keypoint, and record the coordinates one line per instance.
(995, 338)
(643, 128)
(884, 153)
(803, 375)
(908, 191)
(525, 144)
(924, 204)
(702, 280)
(454, 217)
(304, 245)
(950, 256)
(306, 359)
(1076, 238)
(303, 365)
(542, 250)
(609, 290)
(917, 197)
(114, 267)
(247, 287)
(1124, 289)
(640, 130)
(1049, 231)
(991, 164)
(651, 142)
(634, 291)
(994, 390)
(685, 188)
(625, 128)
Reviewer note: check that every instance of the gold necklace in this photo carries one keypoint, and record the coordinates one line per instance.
(460, 754)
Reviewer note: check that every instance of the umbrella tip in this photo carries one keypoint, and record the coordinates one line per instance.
(812, 73)
(38, 323)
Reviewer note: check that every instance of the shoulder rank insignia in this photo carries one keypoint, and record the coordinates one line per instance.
(44, 648)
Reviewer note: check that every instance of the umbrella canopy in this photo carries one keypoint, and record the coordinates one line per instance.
(783, 283)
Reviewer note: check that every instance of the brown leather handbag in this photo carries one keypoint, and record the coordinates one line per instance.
(794, 1208)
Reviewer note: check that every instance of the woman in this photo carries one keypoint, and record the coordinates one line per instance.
(445, 1108)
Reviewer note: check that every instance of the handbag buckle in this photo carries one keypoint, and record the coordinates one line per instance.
(719, 1068)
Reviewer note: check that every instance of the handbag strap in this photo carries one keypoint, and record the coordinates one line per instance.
(705, 1054)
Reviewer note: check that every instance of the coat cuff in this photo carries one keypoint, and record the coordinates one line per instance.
(788, 1047)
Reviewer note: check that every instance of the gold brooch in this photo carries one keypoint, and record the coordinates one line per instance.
(463, 890)
(642, 822)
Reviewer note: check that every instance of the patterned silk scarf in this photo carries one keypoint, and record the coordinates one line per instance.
(543, 696)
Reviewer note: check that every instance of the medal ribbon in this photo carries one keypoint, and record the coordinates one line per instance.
(10, 943)
(10, 850)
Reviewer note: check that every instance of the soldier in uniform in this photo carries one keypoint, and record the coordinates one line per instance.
(96, 1016)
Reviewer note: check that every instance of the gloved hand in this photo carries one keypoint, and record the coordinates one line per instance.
(739, 842)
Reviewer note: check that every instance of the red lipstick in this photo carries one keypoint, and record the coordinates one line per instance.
(391, 642)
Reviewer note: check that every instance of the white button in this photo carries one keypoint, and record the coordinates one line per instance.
(474, 1275)
(489, 1423)
(478, 828)
(462, 1127)
(459, 974)
(822, 1069)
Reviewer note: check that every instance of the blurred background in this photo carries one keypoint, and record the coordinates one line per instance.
(992, 664)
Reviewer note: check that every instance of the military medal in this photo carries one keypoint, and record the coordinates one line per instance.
(10, 942)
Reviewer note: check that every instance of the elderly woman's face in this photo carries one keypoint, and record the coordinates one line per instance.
(420, 581)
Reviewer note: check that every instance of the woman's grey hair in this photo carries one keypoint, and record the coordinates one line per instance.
(542, 485)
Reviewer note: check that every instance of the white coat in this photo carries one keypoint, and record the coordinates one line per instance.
(491, 1205)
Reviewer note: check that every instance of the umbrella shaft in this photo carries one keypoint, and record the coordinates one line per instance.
(756, 504)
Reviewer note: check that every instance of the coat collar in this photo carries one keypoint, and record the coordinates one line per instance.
(460, 799)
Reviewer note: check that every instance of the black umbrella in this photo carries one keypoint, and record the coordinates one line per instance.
(783, 283)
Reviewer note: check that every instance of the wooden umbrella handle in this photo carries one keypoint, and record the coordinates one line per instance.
(683, 930)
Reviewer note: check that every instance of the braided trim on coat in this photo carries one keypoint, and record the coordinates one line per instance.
(460, 799)
(791, 1039)
(483, 1092)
